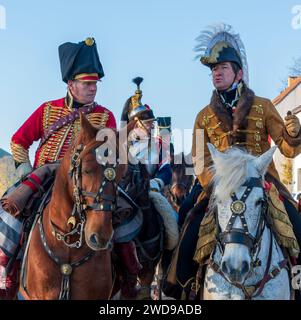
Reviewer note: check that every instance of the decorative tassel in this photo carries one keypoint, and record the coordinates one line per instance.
(183, 295)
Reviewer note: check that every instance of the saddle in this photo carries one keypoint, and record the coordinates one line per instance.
(127, 219)
(15, 231)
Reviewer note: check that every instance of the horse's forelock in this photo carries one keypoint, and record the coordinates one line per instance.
(229, 172)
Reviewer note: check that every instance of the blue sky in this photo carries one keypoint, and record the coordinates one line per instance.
(153, 39)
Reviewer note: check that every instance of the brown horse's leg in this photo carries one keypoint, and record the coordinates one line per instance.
(127, 255)
(146, 278)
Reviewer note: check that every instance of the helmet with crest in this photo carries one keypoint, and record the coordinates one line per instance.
(134, 108)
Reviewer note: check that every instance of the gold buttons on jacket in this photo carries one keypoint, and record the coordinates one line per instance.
(257, 136)
(258, 108)
(259, 124)
(205, 121)
(257, 148)
(216, 142)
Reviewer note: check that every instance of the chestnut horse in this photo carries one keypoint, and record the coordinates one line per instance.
(68, 254)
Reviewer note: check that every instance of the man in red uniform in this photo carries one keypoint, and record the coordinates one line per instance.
(56, 124)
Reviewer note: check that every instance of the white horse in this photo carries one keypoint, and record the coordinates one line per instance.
(247, 262)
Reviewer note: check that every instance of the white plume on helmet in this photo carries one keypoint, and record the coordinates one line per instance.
(218, 33)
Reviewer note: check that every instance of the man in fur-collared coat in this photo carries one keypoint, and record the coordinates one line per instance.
(235, 116)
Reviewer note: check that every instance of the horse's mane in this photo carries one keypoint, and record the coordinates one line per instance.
(229, 172)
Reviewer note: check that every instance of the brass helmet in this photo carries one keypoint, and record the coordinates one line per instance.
(134, 108)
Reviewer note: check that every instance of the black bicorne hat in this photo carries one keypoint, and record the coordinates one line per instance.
(80, 61)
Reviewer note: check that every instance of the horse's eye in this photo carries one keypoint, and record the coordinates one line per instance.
(259, 202)
(87, 171)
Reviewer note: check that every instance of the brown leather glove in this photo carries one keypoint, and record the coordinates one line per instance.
(292, 125)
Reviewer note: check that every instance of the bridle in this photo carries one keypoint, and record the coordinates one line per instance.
(102, 202)
(243, 236)
(173, 199)
(238, 208)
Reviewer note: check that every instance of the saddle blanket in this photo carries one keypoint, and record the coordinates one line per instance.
(10, 232)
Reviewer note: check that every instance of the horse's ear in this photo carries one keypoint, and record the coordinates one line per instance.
(87, 131)
(214, 152)
(262, 163)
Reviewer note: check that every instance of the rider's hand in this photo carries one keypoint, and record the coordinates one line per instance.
(292, 125)
(23, 169)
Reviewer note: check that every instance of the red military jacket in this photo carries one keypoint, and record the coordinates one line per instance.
(54, 148)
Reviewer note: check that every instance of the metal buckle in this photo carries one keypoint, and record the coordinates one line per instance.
(75, 160)
(274, 273)
(250, 290)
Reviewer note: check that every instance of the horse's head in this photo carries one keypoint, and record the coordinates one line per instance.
(240, 203)
(181, 181)
(93, 188)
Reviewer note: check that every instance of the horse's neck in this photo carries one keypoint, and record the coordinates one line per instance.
(61, 203)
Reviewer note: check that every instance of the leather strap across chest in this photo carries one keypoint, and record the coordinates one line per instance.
(70, 118)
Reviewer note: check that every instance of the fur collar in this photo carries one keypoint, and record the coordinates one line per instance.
(239, 120)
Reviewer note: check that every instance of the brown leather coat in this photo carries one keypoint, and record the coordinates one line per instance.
(254, 120)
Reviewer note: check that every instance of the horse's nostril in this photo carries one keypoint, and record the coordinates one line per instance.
(245, 267)
(94, 239)
(225, 268)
